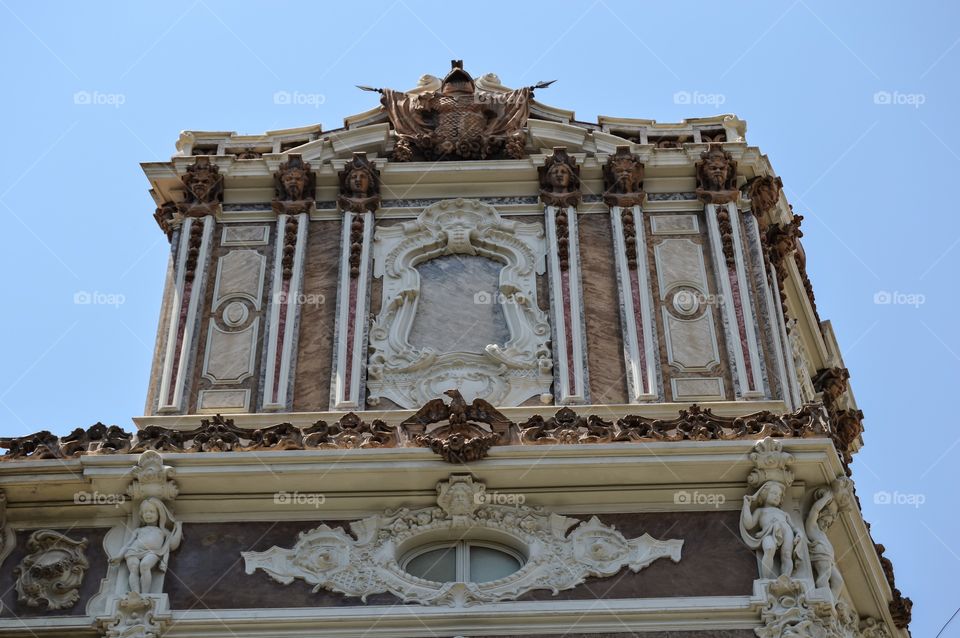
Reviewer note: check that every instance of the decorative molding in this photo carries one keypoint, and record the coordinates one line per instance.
(50, 576)
(136, 616)
(505, 375)
(561, 552)
(790, 612)
(220, 434)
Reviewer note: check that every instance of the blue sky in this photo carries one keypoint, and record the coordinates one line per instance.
(853, 103)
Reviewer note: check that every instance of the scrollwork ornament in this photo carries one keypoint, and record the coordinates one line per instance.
(562, 552)
(51, 574)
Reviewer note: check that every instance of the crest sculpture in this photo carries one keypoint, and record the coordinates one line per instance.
(51, 574)
(458, 121)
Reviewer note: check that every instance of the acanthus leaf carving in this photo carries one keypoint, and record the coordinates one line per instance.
(562, 552)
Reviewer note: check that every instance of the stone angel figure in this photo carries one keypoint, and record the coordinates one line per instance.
(766, 527)
(155, 537)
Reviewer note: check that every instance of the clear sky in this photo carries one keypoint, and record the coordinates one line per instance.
(854, 103)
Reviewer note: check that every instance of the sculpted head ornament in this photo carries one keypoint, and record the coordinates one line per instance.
(560, 179)
(359, 185)
(716, 176)
(623, 179)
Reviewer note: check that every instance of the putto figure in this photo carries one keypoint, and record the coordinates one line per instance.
(560, 180)
(623, 179)
(717, 176)
(157, 536)
(766, 527)
(458, 121)
(359, 185)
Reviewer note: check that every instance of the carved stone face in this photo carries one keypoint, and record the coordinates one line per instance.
(774, 495)
(560, 177)
(359, 182)
(625, 176)
(295, 182)
(201, 185)
(716, 170)
(148, 513)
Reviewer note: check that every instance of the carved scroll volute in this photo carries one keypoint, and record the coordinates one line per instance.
(560, 180)
(295, 184)
(359, 185)
(623, 179)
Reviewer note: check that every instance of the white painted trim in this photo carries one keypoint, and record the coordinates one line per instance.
(178, 378)
(562, 365)
(341, 399)
(273, 326)
(731, 329)
(749, 315)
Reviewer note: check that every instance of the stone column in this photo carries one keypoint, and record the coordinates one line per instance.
(560, 194)
(358, 201)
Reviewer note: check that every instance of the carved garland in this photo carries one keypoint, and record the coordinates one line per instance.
(366, 562)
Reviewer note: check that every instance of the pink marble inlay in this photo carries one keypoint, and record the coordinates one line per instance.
(741, 326)
(638, 318)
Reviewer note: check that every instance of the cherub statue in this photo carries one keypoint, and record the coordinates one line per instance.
(820, 518)
(765, 526)
(157, 535)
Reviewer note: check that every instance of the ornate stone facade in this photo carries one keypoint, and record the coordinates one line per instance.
(471, 353)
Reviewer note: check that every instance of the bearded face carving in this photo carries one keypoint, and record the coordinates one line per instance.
(295, 185)
(716, 176)
(359, 185)
(560, 180)
(623, 179)
(203, 188)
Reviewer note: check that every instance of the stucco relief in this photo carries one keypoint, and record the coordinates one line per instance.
(504, 374)
(561, 552)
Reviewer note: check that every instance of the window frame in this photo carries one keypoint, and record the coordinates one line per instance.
(462, 556)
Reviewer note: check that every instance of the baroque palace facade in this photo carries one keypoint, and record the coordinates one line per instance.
(465, 366)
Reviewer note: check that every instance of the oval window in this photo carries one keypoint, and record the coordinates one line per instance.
(462, 561)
